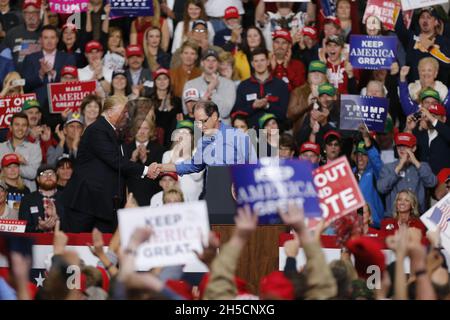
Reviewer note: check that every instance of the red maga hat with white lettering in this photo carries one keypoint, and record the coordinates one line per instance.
(284, 34)
(159, 72)
(334, 20)
(93, 45)
(71, 70)
(231, 13)
(134, 50)
(310, 146)
(173, 175)
(437, 109)
(310, 32)
(405, 139)
(10, 158)
(33, 3)
(332, 133)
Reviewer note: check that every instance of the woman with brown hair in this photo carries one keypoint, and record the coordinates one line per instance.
(193, 10)
(155, 56)
(91, 108)
(114, 58)
(144, 149)
(141, 24)
(188, 69)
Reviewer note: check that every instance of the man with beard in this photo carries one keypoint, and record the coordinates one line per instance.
(96, 189)
(284, 67)
(42, 208)
(429, 42)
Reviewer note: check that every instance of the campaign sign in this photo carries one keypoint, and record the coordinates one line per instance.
(68, 95)
(385, 10)
(273, 183)
(133, 8)
(179, 229)
(415, 4)
(68, 6)
(363, 109)
(10, 105)
(337, 189)
(9, 225)
(438, 216)
(372, 52)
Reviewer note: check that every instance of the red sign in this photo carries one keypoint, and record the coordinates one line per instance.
(385, 10)
(337, 189)
(10, 105)
(66, 95)
(17, 226)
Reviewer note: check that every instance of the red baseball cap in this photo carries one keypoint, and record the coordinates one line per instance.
(443, 175)
(332, 133)
(134, 50)
(231, 13)
(93, 45)
(310, 146)
(173, 175)
(10, 158)
(283, 33)
(276, 285)
(334, 20)
(405, 139)
(437, 109)
(159, 72)
(34, 3)
(367, 252)
(72, 70)
(310, 32)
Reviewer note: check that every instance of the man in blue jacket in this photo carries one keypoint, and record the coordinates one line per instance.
(262, 93)
(367, 171)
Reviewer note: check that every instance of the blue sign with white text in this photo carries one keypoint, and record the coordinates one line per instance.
(272, 184)
(133, 8)
(372, 52)
(363, 109)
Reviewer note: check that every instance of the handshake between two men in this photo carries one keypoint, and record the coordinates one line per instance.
(155, 169)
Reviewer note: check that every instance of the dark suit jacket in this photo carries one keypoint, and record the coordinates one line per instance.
(437, 154)
(144, 189)
(31, 74)
(97, 184)
(32, 207)
(146, 75)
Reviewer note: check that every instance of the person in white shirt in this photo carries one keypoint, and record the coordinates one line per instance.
(96, 70)
(194, 10)
(168, 180)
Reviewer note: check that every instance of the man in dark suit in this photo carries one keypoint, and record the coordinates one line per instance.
(97, 186)
(43, 67)
(139, 78)
(42, 208)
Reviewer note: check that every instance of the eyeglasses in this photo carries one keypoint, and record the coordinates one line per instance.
(199, 30)
(200, 123)
(47, 174)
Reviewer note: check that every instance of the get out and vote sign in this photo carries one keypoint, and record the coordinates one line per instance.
(337, 189)
(372, 52)
(10, 105)
(178, 229)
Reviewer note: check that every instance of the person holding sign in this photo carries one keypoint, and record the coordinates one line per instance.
(96, 189)
(407, 173)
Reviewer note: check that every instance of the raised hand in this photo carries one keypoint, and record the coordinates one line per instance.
(97, 240)
(59, 239)
(139, 236)
(246, 222)
(294, 217)
(46, 134)
(210, 251)
(403, 73)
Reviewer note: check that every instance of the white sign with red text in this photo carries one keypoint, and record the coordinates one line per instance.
(9, 225)
(415, 4)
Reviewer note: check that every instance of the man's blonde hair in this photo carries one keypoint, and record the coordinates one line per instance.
(113, 101)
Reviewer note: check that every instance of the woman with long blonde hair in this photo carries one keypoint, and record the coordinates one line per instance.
(10, 87)
(155, 56)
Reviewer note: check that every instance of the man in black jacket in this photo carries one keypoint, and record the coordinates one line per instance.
(97, 186)
(433, 136)
(42, 208)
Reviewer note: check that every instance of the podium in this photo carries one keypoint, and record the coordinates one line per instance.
(260, 256)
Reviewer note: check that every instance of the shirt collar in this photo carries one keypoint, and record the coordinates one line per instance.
(110, 123)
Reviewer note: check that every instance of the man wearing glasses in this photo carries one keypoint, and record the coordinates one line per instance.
(42, 208)
(219, 144)
(23, 39)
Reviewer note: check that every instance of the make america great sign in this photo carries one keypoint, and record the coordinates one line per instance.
(372, 52)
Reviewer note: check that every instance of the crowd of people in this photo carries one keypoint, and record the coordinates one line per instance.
(222, 65)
